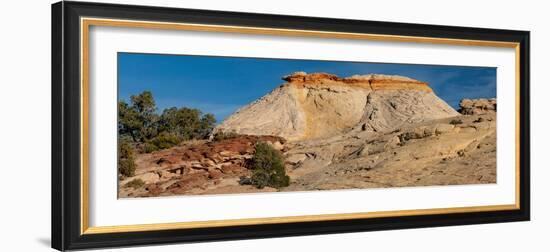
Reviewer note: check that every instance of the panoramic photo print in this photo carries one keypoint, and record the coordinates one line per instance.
(195, 125)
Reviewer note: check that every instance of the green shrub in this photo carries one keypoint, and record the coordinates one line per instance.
(136, 183)
(219, 136)
(163, 140)
(267, 168)
(126, 162)
(186, 123)
(140, 122)
(455, 121)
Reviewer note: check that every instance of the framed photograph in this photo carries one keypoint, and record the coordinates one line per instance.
(180, 125)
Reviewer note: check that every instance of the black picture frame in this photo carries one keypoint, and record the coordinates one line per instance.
(66, 155)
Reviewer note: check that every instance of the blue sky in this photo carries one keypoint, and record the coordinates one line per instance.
(221, 85)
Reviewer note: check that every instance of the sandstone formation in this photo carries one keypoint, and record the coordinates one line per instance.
(478, 106)
(193, 166)
(450, 151)
(320, 105)
(363, 131)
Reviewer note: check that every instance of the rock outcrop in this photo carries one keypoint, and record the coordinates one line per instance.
(320, 105)
(477, 106)
(195, 166)
(450, 151)
(363, 131)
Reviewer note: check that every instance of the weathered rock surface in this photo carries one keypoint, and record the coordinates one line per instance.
(194, 166)
(425, 153)
(363, 131)
(477, 106)
(321, 105)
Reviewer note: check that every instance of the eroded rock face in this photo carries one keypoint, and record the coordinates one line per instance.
(438, 152)
(194, 166)
(368, 81)
(477, 106)
(320, 105)
(364, 131)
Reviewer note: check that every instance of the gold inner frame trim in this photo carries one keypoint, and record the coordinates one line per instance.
(289, 219)
(86, 23)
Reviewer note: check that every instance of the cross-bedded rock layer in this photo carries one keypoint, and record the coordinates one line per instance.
(320, 105)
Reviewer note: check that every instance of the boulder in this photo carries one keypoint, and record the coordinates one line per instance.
(296, 158)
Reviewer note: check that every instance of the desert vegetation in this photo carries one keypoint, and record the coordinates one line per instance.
(268, 168)
(136, 183)
(140, 122)
(126, 163)
(219, 136)
(141, 129)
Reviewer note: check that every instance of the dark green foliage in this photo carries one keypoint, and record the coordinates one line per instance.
(186, 123)
(126, 167)
(126, 163)
(128, 123)
(164, 140)
(455, 121)
(208, 121)
(267, 168)
(144, 103)
(244, 180)
(219, 136)
(140, 122)
(136, 183)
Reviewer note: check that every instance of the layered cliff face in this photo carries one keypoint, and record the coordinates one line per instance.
(320, 105)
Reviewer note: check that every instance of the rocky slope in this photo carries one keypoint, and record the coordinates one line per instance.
(320, 105)
(336, 133)
(194, 166)
(458, 150)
